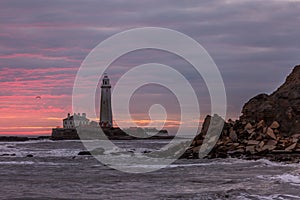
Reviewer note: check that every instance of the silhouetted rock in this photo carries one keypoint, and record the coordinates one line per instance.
(13, 139)
(250, 140)
(283, 106)
(84, 153)
(268, 128)
(8, 154)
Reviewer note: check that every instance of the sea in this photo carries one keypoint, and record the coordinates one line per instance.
(46, 169)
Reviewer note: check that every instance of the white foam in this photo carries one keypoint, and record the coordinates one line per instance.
(268, 197)
(277, 164)
(288, 178)
(293, 179)
(212, 162)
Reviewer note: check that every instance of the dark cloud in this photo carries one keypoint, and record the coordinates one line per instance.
(254, 43)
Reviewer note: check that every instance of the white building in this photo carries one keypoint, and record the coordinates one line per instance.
(75, 120)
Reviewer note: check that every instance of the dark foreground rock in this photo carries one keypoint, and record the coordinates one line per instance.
(8, 154)
(13, 139)
(21, 139)
(282, 106)
(268, 128)
(241, 139)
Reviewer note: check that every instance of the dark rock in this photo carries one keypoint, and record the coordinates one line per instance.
(268, 147)
(272, 142)
(283, 106)
(270, 133)
(275, 125)
(13, 139)
(7, 154)
(269, 128)
(292, 147)
(233, 136)
(250, 149)
(84, 153)
(29, 156)
(253, 142)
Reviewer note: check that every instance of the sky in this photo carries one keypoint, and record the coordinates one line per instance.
(254, 43)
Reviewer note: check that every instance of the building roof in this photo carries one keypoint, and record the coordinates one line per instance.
(78, 117)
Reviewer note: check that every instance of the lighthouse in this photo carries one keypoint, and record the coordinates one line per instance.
(105, 104)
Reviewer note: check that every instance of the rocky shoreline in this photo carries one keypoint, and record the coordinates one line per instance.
(21, 139)
(269, 127)
(241, 139)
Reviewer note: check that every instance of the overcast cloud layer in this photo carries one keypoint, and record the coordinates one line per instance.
(254, 43)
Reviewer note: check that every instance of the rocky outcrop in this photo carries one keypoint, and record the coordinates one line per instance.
(248, 140)
(282, 106)
(269, 127)
(13, 139)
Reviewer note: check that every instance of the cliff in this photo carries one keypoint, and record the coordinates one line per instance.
(282, 106)
(268, 128)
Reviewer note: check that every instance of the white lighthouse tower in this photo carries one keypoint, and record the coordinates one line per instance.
(105, 106)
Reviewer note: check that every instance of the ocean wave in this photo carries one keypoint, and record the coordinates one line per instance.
(277, 164)
(293, 179)
(268, 197)
(33, 163)
(288, 178)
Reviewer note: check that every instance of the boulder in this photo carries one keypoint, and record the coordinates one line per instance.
(270, 133)
(84, 153)
(253, 142)
(248, 126)
(260, 124)
(268, 147)
(274, 125)
(296, 136)
(272, 142)
(250, 149)
(291, 147)
(233, 136)
(261, 144)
